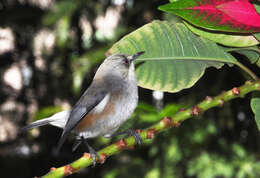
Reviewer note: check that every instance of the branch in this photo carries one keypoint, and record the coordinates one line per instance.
(149, 133)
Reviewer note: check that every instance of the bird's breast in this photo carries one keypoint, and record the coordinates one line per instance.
(110, 113)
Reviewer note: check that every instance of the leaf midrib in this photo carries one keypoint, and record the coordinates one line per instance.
(192, 58)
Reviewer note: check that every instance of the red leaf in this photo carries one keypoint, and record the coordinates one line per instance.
(243, 11)
(223, 15)
(239, 13)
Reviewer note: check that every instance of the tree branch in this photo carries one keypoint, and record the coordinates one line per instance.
(150, 132)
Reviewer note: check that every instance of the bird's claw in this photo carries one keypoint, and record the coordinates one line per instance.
(130, 132)
(93, 153)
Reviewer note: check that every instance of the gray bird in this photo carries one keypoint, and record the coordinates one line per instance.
(105, 105)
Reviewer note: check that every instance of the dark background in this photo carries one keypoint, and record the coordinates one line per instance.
(49, 52)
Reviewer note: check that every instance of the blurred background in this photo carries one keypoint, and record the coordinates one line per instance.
(49, 52)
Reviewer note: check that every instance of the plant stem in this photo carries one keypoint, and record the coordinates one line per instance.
(247, 70)
(150, 132)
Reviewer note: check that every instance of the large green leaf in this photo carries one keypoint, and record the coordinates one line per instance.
(225, 38)
(174, 57)
(255, 105)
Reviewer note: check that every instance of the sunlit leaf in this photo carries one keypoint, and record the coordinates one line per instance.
(174, 57)
(82, 65)
(46, 112)
(257, 36)
(255, 105)
(62, 32)
(227, 15)
(58, 11)
(224, 38)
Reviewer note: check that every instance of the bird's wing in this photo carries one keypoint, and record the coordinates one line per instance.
(92, 97)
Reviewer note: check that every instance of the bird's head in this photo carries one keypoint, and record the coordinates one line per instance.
(119, 65)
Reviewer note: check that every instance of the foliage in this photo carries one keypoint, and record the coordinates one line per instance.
(255, 104)
(174, 57)
(217, 15)
(222, 142)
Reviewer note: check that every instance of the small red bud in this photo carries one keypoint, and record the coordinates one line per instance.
(235, 91)
(68, 170)
(150, 133)
(102, 158)
(121, 144)
(167, 122)
(53, 169)
(195, 111)
(139, 131)
(86, 155)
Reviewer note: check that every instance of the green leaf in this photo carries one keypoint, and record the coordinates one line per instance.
(174, 57)
(257, 36)
(252, 53)
(58, 11)
(224, 38)
(62, 32)
(257, 8)
(170, 110)
(46, 112)
(82, 65)
(255, 105)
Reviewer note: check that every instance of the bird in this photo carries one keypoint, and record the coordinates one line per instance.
(106, 104)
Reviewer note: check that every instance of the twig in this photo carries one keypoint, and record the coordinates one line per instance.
(150, 132)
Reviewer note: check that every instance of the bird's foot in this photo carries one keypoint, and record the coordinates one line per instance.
(92, 152)
(130, 132)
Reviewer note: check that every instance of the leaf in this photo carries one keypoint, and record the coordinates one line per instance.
(224, 38)
(46, 112)
(174, 57)
(257, 8)
(222, 15)
(257, 36)
(62, 32)
(252, 54)
(59, 10)
(255, 105)
(82, 65)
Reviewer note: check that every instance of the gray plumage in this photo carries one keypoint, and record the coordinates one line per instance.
(105, 105)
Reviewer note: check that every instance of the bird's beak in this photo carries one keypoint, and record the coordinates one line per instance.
(135, 56)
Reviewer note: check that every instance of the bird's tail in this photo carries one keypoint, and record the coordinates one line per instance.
(59, 120)
(35, 124)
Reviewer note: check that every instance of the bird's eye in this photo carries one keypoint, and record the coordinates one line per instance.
(126, 61)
